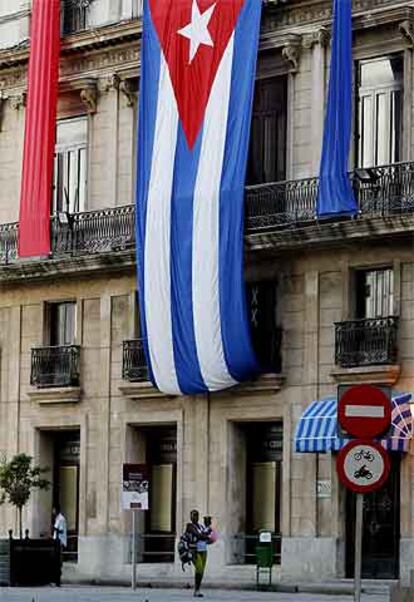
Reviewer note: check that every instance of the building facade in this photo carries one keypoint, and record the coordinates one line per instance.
(331, 302)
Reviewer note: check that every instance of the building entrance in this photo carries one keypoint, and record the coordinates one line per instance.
(161, 454)
(66, 486)
(381, 530)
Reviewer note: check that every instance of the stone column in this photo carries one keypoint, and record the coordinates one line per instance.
(408, 104)
(291, 53)
(407, 31)
(110, 86)
(103, 359)
(317, 43)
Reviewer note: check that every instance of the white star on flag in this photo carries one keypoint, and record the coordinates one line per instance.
(197, 30)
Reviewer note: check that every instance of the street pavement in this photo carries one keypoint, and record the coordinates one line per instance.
(106, 594)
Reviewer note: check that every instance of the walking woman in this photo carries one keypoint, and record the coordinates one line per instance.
(200, 538)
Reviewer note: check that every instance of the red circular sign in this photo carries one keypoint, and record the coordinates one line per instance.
(363, 466)
(364, 411)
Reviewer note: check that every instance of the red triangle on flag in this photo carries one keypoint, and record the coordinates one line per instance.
(194, 35)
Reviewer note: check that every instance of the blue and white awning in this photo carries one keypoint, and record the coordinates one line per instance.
(317, 429)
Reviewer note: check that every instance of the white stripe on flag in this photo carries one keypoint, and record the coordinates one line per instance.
(157, 238)
(353, 411)
(206, 228)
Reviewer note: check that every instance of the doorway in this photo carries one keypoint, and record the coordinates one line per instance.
(66, 486)
(381, 529)
(160, 520)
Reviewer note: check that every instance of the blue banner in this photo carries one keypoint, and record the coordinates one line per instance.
(335, 190)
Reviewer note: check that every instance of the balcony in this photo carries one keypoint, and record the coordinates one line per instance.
(283, 213)
(55, 367)
(369, 342)
(134, 363)
(380, 192)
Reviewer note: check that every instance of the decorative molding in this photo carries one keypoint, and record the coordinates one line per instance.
(291, 52)
(386, 375)
(18, 101)
(320, 36)
(330, 235)
(304, 13)
(141, 390)
(406, 29)
(109, 82)
(89, 97)
(55, 395)
(129, 91)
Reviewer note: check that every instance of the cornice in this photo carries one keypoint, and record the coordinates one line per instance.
(311, 12)
(71, 267)
(101, 37)
(288, 28)
(330, 235)
(80, 42)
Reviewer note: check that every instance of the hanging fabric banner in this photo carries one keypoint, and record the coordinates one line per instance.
(335, 190)
(39, 139)
(197, 82)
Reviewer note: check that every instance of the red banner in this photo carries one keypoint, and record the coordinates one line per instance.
(39, 141)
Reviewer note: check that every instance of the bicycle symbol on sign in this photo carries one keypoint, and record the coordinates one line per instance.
(364, 454)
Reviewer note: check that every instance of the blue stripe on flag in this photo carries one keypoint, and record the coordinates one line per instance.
(150, 71)
(238, 350)
(187, 366)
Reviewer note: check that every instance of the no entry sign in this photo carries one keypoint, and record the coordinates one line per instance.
(363, 466)
(364, 410)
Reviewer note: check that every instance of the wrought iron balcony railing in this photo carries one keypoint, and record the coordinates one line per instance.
(134, 362)
(382, 191)
(366, 342)
(55, 366)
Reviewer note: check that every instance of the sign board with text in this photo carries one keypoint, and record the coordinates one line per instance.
(135, 487)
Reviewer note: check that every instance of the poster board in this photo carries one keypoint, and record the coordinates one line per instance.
(135, 487)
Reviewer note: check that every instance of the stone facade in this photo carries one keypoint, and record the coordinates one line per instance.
(313, 268)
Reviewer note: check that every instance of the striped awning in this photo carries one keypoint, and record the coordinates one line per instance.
(317, 429)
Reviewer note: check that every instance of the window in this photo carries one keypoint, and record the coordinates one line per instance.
(380, 98)
(374, 293)
(62, 323)
(266, 336)
(75, 15)
(131, 9)
(267, 158)
(69, 191)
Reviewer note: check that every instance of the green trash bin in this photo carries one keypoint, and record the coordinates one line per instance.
(264, 556)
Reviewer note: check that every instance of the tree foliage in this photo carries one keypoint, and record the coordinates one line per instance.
(18, 478)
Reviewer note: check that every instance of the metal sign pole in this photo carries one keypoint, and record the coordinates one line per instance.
(358, 546)
(134, 549)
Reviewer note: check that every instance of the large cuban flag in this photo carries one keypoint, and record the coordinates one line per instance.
(197, 81)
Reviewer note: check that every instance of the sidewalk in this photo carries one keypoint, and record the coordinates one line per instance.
(103, 594)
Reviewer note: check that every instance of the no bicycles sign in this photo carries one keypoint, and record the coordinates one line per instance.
(363, 466)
